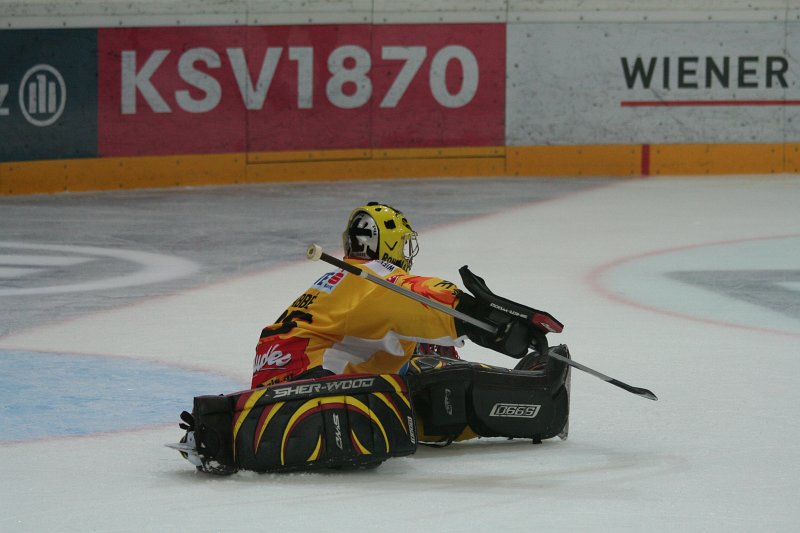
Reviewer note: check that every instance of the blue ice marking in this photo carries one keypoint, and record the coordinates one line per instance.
(55, 395)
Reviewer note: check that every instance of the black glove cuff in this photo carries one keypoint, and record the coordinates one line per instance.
(513, 336)
(470, 306)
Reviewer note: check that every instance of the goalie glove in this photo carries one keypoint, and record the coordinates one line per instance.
(513, 336)
(518, 327)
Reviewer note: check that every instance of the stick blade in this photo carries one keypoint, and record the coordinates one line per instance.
(644, 393)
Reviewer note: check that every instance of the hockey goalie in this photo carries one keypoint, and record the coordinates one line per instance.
(352, 374)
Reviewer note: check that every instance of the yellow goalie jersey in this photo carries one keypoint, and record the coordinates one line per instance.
(347, 325)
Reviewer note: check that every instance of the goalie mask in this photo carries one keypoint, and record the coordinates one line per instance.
(377, 231)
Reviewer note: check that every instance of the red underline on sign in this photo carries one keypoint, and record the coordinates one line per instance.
(706, 103)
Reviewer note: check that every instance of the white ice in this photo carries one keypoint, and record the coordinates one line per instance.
(719, 451)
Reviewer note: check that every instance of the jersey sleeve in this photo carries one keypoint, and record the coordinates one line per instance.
(436, 289)
(383, 310)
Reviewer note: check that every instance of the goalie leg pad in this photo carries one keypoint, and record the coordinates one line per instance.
(455, 399)
(338, 422)
(212, 431)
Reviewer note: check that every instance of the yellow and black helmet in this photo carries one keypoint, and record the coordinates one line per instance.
(378, 231)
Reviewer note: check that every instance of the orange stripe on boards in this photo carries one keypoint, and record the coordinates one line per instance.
(76, 175)
(43, 177)
(307, 156)
(376, 153)
(792, 158)
(395, 163)
(701, 159)
(34, 177)
(584, 160)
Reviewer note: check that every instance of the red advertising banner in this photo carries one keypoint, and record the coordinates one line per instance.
(313, 87)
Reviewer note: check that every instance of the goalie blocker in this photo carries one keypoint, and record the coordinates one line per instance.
(356, 421)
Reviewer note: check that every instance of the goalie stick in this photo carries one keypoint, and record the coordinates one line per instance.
(315, 253)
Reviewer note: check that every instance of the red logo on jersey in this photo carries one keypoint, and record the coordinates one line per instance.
(286, 357)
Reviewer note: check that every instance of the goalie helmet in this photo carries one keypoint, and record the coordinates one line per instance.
(378, 231)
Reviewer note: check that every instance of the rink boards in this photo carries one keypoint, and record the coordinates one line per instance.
(223, 93)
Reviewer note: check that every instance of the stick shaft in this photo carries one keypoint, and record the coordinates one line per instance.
(635, 390)
(315, 252)
(406, 292)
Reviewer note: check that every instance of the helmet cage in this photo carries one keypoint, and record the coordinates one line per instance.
(410, 248)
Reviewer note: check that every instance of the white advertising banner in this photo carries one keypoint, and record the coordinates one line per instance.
(620, 83)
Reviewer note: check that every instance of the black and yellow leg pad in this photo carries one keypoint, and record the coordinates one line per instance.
(457, 400)
(338, 422)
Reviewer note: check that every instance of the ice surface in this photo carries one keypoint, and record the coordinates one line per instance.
(687, 287)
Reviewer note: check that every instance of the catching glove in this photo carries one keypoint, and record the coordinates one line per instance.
(513, 336)
(518, 327)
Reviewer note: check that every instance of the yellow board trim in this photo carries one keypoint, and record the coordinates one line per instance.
(702, 159)
(306, 156)
(78, 175)
(623, 160)
(586, 160)
(419, 163)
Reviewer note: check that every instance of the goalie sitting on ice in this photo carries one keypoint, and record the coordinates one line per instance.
(353, 373)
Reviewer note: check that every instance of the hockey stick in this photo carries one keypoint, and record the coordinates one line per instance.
(315, 253)
(644, 393)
